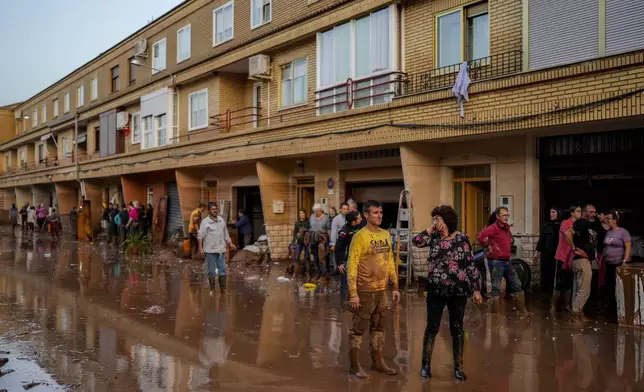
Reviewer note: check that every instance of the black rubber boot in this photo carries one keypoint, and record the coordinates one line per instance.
(458, 348)
(428, 348)
(222, 284)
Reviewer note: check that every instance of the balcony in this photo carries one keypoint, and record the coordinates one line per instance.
(47, 162)
(503, 64)
(352, 94)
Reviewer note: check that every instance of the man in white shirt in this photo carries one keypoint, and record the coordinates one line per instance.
(213, 239)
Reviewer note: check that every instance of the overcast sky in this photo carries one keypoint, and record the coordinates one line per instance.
(44, 40)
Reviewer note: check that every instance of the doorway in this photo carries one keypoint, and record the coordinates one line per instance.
(257, 104)
(249, 199)
(472, 200)
(305, 195)
(388, 193)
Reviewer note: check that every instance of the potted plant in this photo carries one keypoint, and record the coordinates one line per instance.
(138, 243)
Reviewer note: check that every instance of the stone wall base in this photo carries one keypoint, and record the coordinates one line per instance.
(279, 238)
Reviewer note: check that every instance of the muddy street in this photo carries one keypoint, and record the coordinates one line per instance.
(85, 317)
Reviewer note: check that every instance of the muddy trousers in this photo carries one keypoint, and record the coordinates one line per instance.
(583, 273)
(371, 313)
(216, 267)
(503, 269)
(456, 309)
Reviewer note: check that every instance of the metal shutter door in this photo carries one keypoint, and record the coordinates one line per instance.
(175, 221)
(624, 26)
(562, 32)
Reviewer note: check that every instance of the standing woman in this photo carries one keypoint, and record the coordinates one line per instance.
(617, 250)
(299, 244)
(452, 278)
(333, 212)
(563, 274)
(546, 249)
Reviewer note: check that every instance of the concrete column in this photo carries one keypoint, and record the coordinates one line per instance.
(24, 195)
(189, 184)
(133, 189)
(422, 174)
(67, 195)
(94, 193)
(275, 186)
(40, 194)
(9, 196)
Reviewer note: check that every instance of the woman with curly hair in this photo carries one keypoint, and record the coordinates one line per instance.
(452, 278)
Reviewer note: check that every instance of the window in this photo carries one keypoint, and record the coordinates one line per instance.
(472, 20)
(158, 56)
(161, 130)
(132, 69)
(80, 95)
(65, 143)
(223, 23)
(360, 50)
(66, 103)
(183, 43)
(294, 83)
(136, 128)
(41, 153)
(94, 89)
(150, 195)
(260, 13)
(34, 118)
(198, 102)
(148, 132)
(23, 158)
(7, 162)
(116, 85)
(97, 139)
(44, 113)
(55, 107)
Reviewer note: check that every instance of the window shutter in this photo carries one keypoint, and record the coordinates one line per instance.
(476, 9)
(563, 32)
(624, 26)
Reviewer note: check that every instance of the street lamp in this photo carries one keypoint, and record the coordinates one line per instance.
(138, 63)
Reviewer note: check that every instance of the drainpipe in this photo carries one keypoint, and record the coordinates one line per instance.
(82, 186)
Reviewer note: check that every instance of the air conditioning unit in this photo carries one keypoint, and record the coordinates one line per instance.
(122, 119)
(259, 65)
(141, 48)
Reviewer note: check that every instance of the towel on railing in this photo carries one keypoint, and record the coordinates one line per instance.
(460, 87)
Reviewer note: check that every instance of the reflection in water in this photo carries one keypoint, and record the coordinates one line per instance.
(83, 308)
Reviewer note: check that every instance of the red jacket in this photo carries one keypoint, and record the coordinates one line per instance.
(498, 238)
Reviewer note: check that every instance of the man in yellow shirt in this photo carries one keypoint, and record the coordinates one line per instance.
(370, 268)
(193, 228)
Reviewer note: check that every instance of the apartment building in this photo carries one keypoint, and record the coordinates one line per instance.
(273, 107)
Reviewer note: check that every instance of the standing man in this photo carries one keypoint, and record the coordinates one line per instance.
(245, 228)
(371, 267)
(13, 214)
(73, 222)
(342, 247)
(124, 217)
(336, 225)
(583, 257)
(24, 214)
(193, 229)
(213, 237)
(497, 238)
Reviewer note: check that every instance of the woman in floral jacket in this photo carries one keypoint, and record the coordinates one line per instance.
(452, 278)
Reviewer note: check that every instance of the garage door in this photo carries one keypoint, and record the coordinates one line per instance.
(175, 221)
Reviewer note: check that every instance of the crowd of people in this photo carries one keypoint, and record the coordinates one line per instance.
(127, 221)
(580, 251)
(33, 218)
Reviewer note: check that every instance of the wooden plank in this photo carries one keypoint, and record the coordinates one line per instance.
(158, 227)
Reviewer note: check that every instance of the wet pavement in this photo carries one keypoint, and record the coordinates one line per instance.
(86, 317)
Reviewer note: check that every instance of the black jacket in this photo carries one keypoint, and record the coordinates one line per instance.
(344, 241)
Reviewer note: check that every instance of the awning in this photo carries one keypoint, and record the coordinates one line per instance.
(82, 137)
(45, 137)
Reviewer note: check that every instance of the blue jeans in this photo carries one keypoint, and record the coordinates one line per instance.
(216, 264)
(299, 248)
(498, 269)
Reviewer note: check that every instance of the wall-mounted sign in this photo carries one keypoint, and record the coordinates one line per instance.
(278, 207)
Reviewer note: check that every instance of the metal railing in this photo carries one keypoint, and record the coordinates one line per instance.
(490, 67)
(29, 166)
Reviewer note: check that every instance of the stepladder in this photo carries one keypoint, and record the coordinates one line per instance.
(402, 238)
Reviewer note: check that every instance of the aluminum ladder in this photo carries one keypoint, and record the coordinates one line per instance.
(402, 234)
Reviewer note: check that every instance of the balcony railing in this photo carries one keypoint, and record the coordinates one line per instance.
(490, 67)
(29, 166)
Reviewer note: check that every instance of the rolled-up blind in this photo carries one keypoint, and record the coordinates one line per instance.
(624, 26)
(562, 32)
